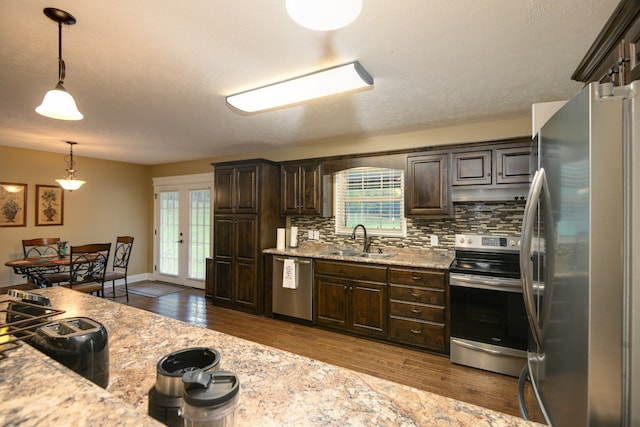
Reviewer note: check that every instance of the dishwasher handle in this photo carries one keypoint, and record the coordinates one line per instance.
(296, 260)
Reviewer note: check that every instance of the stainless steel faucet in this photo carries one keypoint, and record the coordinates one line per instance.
(367, 240)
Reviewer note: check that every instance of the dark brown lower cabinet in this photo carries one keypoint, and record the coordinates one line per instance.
(418, 301)
(236, 260)
(351, 297)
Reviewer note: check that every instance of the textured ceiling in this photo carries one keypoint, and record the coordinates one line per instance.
(150, 76)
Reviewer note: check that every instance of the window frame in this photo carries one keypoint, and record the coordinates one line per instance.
(340, 210)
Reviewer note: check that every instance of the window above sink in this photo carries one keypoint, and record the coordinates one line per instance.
(373, 197)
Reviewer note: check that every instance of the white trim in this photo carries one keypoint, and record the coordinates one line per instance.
(199, 178)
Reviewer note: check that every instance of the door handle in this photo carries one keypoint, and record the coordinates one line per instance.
(180, 241)
(539, 188)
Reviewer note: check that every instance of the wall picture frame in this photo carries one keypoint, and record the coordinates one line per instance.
(13, 204)
(49, 205)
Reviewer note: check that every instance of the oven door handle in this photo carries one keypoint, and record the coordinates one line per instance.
(484, 283)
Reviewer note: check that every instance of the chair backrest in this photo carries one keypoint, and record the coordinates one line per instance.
(122, 252)
(41, 246)
(89, 262)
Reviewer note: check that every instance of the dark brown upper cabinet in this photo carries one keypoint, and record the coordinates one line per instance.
(301, 186)
(511, 163)
(614, 55)
(427, 190)
(236, 189)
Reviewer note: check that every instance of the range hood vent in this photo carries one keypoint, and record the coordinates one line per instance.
(480, 193)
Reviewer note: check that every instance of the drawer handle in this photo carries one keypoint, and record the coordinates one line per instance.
(414, 311)
(416, 332)
(416, 278)
(415, 294)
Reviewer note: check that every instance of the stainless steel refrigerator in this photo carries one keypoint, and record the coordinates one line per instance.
(579, 239)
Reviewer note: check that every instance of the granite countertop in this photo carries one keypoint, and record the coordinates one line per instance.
(277, 388)
(424, 258)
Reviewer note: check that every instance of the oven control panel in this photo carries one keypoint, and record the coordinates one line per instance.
(486, 242)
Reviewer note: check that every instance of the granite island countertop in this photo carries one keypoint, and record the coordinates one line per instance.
(278, 388)
(406, 257)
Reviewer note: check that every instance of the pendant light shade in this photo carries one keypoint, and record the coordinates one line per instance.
(324, 15)
(58, 103)
(70, 182)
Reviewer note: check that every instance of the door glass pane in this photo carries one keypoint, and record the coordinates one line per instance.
(169, 232)
(199, 232)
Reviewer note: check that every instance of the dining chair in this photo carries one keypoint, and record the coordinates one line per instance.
(121, 256)
(88, 266)
(40, 247)
(45, 246)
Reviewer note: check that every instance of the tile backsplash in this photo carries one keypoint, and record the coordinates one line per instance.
(499, 218)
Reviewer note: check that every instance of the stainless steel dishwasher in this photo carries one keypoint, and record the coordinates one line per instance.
(296, 302)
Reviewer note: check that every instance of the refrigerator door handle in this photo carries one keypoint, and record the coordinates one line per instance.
(526, 266)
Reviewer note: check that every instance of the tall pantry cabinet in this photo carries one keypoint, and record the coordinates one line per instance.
(246, 216)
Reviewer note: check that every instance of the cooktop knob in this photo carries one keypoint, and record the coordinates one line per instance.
(462, 240)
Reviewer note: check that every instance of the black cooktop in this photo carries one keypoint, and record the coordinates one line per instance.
(505, 265)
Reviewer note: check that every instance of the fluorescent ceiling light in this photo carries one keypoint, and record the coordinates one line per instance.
(341, 78)
(324, 15)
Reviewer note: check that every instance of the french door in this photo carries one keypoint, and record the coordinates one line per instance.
(182, 228)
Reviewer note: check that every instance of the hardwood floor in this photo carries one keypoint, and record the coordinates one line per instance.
(415, 368)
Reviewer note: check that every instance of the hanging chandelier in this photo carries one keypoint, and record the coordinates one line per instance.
(70, 182)
(58, 103)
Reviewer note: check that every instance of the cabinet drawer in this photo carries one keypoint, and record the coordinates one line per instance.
(417, 277)
(418, 311)
(418, 333)
(350, 270)
(417, 294)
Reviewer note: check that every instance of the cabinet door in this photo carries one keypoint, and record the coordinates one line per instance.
(223, 195)
(368, 308)
(427, 187)
(471, 168)
(331, 301)
(245, 273)
(209, 278)
(513, 165)
(223, 258)
(246, 189)
(311, 189)
(289, 189)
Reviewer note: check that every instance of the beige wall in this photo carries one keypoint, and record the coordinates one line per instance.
(115, 201)
(118, 197)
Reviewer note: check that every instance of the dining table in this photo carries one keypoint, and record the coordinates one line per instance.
(36, 269)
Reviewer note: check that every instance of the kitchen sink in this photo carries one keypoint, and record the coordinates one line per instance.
(377, 255)
(358, 254)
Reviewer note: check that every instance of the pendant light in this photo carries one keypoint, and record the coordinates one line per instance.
(324, 15)
(58, 103)
(70, 182)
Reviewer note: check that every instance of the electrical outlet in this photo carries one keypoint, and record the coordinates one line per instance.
(434, 240)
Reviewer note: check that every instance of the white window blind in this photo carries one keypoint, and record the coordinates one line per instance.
(373, 197)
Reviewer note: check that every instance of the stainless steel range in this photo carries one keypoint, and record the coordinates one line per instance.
(489, 326)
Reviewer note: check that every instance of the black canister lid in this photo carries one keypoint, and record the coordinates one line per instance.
(212, 389)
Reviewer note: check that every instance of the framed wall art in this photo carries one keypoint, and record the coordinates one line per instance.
(13, 204)
(49, 205)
